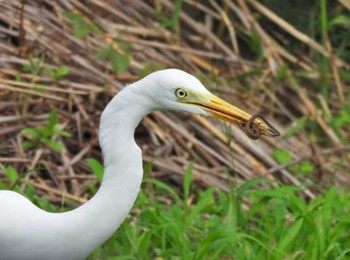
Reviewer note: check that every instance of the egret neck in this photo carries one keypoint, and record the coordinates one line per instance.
(27, 232)
(123, 169)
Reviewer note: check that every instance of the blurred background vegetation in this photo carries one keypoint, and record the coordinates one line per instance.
(209, 191)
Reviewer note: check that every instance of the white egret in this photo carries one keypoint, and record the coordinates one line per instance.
(28, 232)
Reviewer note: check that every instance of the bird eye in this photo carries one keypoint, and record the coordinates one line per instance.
(180, 93)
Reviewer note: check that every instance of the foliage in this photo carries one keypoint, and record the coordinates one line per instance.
(97, 168)
(37, 67)
(249, 222)
(173, 21)
(283, 157)
(278, 225)
(45, 135)
(118, 58)
(81, 26)
(14, 179)
(57, 74)
(341, 120)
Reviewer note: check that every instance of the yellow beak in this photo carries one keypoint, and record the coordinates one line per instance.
(254, 126)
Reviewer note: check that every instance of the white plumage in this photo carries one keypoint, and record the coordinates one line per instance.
(27, 232)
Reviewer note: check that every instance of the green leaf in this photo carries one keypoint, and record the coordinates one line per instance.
(81, 28)
(187, 186)
(65, 134)
(125, 257)
(3, 186)
(147, 168)
(344, 254)
(11, 174)
(36, 66)
(18, 77)
(341, 20)
(74, 17)
(281, 192)
(298, 203)
(234, 208)
(97, 168)
(256, 45)
(91, 187)
(205, 201)
(31, 132)
(251, 183)
(29, 191)
(123, 45)
(54, 145)
(164, 186)
(119, 62)
(176, 13)
(61, 72)
(342, 119)
(187, 182)
(96, 28)
(291, 235)
(27, 68)
(81, 31)
(223, 235)
(28, 144)
(306, 167)
(282, 156)
(173, 21)
(48, 70)
(104, 53)
(282, 72)
(52, 121)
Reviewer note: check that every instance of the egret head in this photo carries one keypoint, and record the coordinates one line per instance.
(173, 89)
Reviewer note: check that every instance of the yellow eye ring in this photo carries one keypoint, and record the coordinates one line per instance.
(180, 93)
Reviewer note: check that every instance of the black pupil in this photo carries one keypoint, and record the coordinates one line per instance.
(181, 93)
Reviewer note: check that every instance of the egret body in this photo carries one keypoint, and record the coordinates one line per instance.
(28, 232)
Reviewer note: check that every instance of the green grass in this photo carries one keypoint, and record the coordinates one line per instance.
(211, 224)
(274, 222)
(278, 224)
(45, 135)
